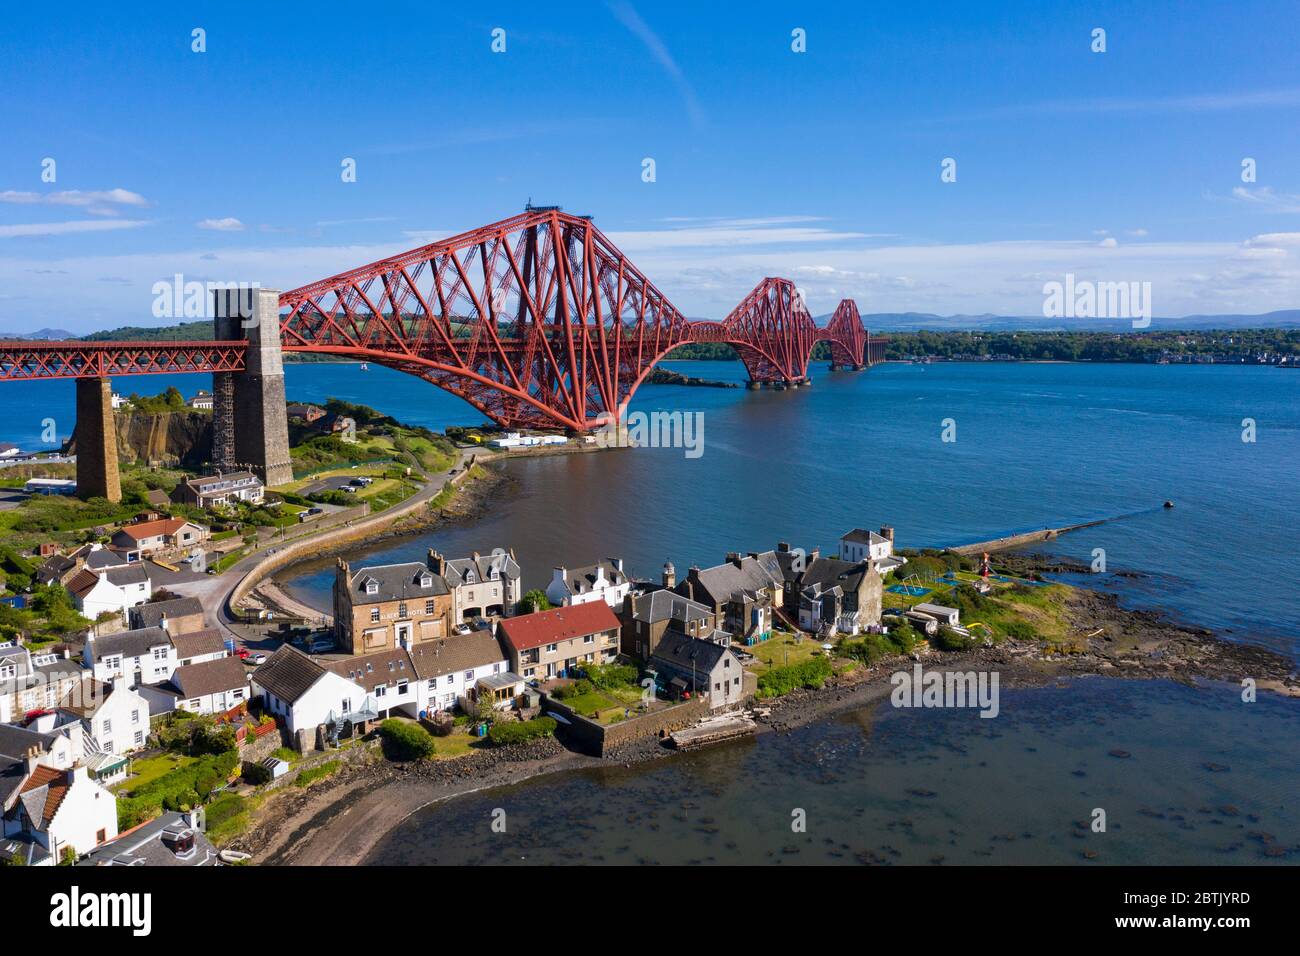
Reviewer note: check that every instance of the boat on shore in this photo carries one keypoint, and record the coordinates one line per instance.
(713, 730)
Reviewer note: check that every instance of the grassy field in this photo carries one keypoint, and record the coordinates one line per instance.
(456, 744)
(783, 648)
(150, 769)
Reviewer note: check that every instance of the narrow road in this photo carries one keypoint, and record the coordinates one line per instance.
(214, 590)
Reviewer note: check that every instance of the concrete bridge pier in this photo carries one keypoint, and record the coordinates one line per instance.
(250, 424)
(96, 441)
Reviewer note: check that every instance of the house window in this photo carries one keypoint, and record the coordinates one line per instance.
(428, 607)
(381, 690)
(552, 648)
(374, 615)
(469, 675)
(139, 738)
(346, 705)
(135, 716)
(108, 726)
(401, 609)
(160, 653)
(401, 686)
(7, 671)
(451, 679)
(101, 836)
(588, 639)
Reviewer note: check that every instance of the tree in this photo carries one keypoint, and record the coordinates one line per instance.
(534, 600)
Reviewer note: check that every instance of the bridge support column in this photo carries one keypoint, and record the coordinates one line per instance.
(96, 441)
(250, 424)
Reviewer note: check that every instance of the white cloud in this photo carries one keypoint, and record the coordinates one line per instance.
(1265, 198)
(96, 202)
(228, 224)
(632, 20)
(1110, 242)
(69, 228)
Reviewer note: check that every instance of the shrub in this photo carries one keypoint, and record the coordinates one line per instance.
(534, 600)
(949, 640)
(227, 816)
(811, 673)
(405, 741)
(255, 774)
(518, 732)
(610, 676)
(312, 774)
(1019, 630)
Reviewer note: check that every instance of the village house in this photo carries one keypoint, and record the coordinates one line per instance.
(175, 616)
(384, 607)
(147, 538)
(115, 589)
(648, 618)
(876, 547)
(114, 721)
(305, 695)
(698, 665)
(52, 811)
(62, 568)
(33, 681)
(142, 656)
(211, 687)
(53, 748)
(387, 678)
(466, 666)
(201, 399)
(172, 839)
(215, 491)
(602, 581)
(343, 427)
(481, 586)
(743, 593)
(553, 643)
(830, 593)
(303, 412)
(199, 647)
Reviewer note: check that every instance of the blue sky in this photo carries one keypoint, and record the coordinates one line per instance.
(823, 166)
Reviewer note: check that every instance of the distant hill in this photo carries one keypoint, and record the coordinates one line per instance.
(40, 335)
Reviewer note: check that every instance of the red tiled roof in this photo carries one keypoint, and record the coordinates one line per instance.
(56, 779)
(83, 582)
(561, 624)
(152, 529)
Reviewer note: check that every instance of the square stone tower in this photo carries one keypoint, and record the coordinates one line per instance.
(250, 425)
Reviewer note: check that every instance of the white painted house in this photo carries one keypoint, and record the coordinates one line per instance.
(114, 718)
(603, 581)
(304, 694)
(115, 589)
(862, 545)
(52, 810)
(145, 655)
(466, 665)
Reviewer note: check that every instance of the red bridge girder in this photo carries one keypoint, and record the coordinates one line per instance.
(20, 361)
(535, 320)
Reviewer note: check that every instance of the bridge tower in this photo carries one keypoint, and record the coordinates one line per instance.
(96, 441)
(250, 427)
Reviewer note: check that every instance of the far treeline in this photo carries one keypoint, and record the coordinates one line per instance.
(1222, 345)
(1227, 345)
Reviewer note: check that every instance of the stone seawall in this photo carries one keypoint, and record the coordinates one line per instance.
(1020, 540)
(599, 739)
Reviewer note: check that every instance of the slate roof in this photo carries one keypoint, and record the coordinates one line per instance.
(210, 677)
(664, 605)
(135, 643)
(121, 575)
(15, 741)
(863, 536)
(198, 643)
(151, 615)
(727, 581)
(288, 674)
(561, 624)
(830, 572)
(457, 570)
(146, 846)
(457, 653)
(684, 652)
(375, 670)
(583, 580)
(396, 582)
(102, 558)
(85, 699)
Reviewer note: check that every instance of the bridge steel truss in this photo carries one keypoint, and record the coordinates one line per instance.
(536, 321)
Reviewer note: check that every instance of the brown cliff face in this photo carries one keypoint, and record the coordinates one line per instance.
(181, 437)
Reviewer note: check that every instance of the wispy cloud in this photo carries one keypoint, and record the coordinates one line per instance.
(627, 15)
(1199, 103)
(69, 228)
(228, 224)
(1266, 199)
(104, 202)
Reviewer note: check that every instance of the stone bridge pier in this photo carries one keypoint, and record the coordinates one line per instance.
(96, 441)
(250, 425)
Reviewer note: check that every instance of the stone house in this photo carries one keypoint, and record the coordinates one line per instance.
(647, 618)
(553, 643)
(384, 607)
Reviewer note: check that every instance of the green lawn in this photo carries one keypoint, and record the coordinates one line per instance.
(455, 744)
(782, 649)
(151, 768)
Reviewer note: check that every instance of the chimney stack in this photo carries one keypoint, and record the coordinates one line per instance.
(435, 561)
(733, 557)
(887, 533)
(670, 575)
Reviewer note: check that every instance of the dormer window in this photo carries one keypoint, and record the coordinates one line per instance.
(426, 580)
(372, 586)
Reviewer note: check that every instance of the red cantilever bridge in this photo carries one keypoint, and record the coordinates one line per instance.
(537, 320)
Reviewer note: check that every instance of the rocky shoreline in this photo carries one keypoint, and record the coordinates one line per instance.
(340, 820)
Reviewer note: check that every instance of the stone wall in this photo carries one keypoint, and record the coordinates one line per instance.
(599, 739)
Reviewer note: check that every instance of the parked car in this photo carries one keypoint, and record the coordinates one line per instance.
(258, 659)
(320, 646)
(242, 653)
